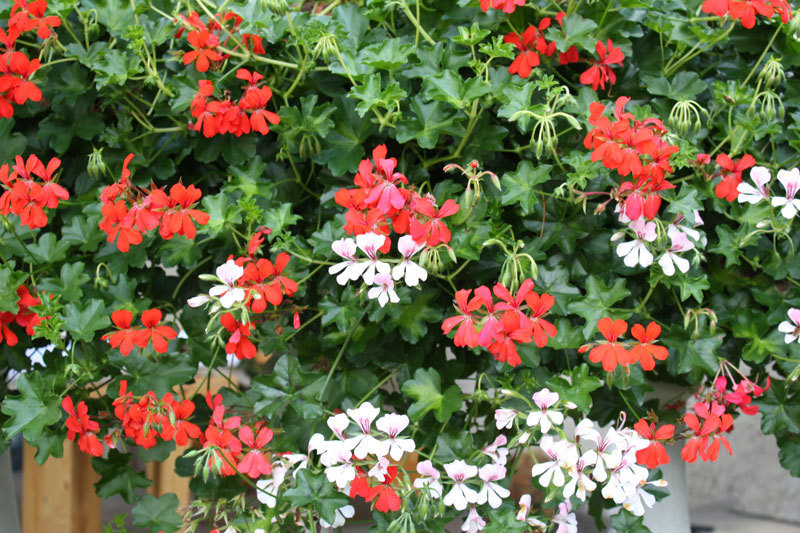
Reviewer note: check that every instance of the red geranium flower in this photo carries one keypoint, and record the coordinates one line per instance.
(727, 188)
(434, 231)
(204, 43)
(387, 498)
(600, 73)
(646, 351)
(610, 353)
(238, 344)
(466, 335)
(158, 334)
(531, 43)
(655, 454)
(125, 337)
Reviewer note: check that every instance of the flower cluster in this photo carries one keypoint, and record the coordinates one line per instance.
(130, 211)
(611, 351)
(226, 453)
(126, 336)
(516, 318)
(24, 317)
(632, 148)
(27, 197)
(381, 204)
(246, 115)
(761, 177)
(358, 461)
(16, 68)
(252, 284)
(374, 271)
(80, 424)
(586, 462)
(531, 43)
(209, 40)
(746, 10)
(145, 418)
(710, 419)
(636, 252)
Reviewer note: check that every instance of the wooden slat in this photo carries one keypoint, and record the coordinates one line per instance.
(58, 496)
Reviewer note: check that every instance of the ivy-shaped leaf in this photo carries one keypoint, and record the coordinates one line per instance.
(426, 390)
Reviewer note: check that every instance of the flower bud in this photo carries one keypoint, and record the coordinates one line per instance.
(96, 165)
(279, 7)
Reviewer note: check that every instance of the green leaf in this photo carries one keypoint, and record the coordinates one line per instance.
(413, 317)
(279, 219)
(221, 212)
(160, 376)
(288, 385)
(83, 231)
(685, 203)
(10, 281)
(35, 407)
(343, 147)
(48, 249)
(373, 97)
(700, 354)
(684, 86)
(389, 54)
(599, 301)
(157, 514)
(426, 391)
(779, 410)
(520, 185)
(729, 245)
(117, 477)
(627, 522)
(81, 322)
(317, 490)
(449, 86)
(515, 98)
(13, 143)
(575, 30)
(789, 454)
(430, 121)
(579, 387)
(69, 285)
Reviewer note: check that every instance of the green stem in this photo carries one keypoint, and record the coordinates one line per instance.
(340, 354)
(415, 22)
(761, 57)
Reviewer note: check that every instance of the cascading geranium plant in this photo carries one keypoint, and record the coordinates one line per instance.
(448, 244)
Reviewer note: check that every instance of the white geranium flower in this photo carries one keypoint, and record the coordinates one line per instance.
(370, 243)
(753, 195)
(429, 478)
(635, 252)
(408, 269)
(545, 418)
(365, 444)
(791, 329)
(228, 293)
(670, 259)
(383, 290)
(790, 179)
(461, 494)
(351, 268)
(492, 492)
(392, 424)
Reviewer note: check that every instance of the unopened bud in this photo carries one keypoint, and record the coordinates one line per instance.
(473, 164)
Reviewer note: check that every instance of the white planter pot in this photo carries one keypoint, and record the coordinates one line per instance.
(670, 515)
(9, 512)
